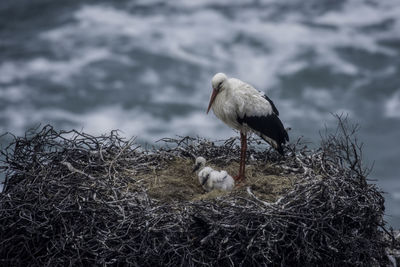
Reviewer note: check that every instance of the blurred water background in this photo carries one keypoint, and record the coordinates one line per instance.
(144, 67)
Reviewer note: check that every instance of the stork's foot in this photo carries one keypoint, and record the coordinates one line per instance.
(239, 181)
(239, 178)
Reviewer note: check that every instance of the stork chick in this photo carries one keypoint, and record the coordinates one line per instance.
(211, 179)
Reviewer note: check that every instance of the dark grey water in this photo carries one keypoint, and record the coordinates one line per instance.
(145, 67)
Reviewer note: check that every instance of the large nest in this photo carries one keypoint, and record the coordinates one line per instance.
(75, 199)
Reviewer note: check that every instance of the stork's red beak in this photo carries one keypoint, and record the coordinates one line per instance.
(213, 95)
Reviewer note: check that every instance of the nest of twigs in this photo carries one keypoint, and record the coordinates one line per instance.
(75, 199)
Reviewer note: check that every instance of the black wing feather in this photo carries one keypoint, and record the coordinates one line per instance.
(269, 125)
(274, 109)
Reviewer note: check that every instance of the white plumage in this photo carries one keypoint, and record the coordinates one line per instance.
(237, 99)
(211, 179)
(245, 109)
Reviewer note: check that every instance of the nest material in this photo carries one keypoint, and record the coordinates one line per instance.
(74, 199)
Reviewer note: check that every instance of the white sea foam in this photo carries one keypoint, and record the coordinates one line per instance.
(293, 111)
(55, 70)
(324, 102)
(150, 128)
(14, 93)
(170, 36)
(396, 195)
(150, 77)
(360, 13)
(207, 37)
(320, 97)
(196, 95)
(201, 37)
(392, 105)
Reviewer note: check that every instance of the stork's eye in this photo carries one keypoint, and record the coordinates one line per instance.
(219, 85)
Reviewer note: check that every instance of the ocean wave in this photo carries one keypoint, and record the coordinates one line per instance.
(14, 94)
(360, 13)
(254, 48)
(58, 71)
(392, 105)
(396, 196)
(251, 45)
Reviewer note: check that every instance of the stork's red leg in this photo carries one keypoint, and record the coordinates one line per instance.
(243, 148)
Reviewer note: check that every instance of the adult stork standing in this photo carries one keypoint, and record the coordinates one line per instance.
(246, 109)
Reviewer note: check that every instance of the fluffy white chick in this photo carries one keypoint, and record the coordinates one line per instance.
(211, 179)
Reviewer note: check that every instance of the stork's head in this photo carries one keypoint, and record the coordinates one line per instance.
(200, 162)
(218, 83)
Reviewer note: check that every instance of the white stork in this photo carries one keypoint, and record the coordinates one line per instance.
(246, 109)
